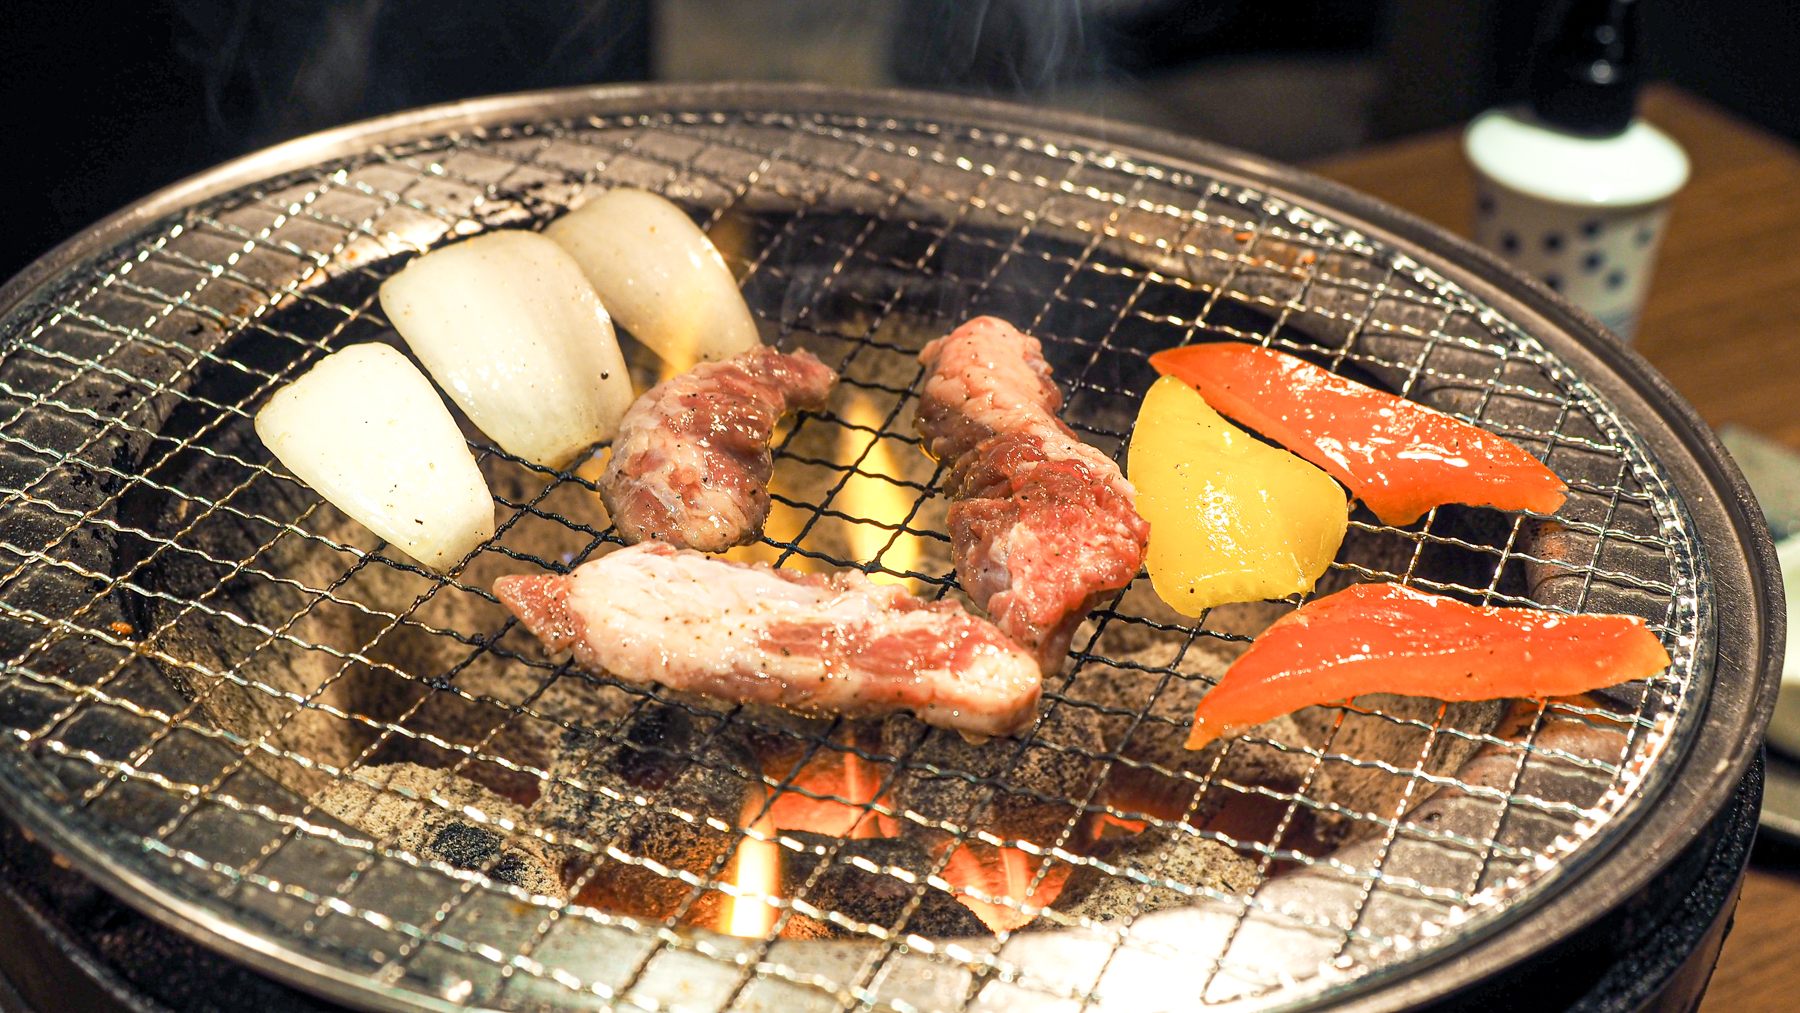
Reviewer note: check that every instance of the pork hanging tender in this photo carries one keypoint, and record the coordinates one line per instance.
(691, 463)
(834, 643)
(1042, 526)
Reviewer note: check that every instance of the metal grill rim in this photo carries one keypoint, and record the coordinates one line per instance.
(433, 160)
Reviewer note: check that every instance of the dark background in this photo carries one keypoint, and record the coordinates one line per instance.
(107, 102)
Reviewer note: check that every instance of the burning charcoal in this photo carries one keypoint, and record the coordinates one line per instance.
(488, 684)
(853, 886)
(1407, 741)
(947, 778)
(1161, 777)
(799, 926)
(208, 641)
(648, 789)
(1158, 673)
(1213, 788)
(1159, 855)
(772, 731)
(1003, 885)
(829, 787)
(379, 804)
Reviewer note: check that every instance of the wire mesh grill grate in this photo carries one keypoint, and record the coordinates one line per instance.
(253, 703)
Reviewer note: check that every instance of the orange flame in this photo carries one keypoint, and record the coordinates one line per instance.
(590, 471)
(1005, 875)
(1120, 826)
(860, 784)
(756, 873)
(841, 775)
(874, 499)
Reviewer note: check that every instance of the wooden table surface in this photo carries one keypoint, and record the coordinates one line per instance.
(1723, 323)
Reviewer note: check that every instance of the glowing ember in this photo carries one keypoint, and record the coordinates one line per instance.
(860, 784)
(1111, 826)
(841, 776)
(874, 499)
(756, 873)
(590, 471)
(996, 884)
(733, 234)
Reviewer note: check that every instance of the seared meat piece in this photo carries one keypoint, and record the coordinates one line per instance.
(816, 643)
(987, 377)
(1044, 526)
(691, 462)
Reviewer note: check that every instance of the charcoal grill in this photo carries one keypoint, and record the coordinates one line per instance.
(251, 720)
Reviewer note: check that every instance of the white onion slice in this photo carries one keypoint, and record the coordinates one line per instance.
(513, 332)
(366, 430)
(659, 275)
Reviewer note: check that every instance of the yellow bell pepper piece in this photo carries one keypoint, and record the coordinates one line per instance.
(1231, 518)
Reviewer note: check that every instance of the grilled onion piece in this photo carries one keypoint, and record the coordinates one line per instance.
(659, 275)
(366, 430)
(512, 331)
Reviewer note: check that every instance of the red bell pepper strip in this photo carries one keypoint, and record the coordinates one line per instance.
(1399, 457)
(1388, 638)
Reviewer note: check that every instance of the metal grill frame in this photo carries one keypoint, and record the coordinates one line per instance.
(1722, 724)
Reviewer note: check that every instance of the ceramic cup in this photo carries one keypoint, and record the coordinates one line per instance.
(1599, 258)
(1582, 214)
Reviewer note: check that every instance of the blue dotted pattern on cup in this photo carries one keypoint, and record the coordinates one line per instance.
(1586, 253)
(1590, 232)
(1598, 257)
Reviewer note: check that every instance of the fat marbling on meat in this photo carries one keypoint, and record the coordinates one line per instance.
(834, 643)
(691, 462)
(1042, 526)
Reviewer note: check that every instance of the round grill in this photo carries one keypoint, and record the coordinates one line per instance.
(251, 718)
